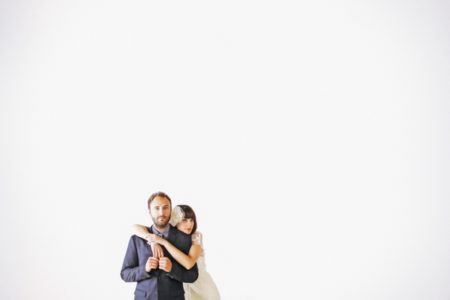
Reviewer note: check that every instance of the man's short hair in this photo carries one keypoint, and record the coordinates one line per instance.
(158, 194)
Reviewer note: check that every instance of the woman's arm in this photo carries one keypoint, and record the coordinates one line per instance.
(142, 232)
(187, 261)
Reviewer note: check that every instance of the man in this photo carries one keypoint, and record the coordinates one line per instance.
(158, 278)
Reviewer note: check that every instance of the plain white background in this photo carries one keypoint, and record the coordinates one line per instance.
(311, 138)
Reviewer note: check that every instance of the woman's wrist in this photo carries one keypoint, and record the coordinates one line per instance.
(149, 238)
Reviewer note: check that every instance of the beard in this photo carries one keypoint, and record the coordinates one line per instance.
(160, 222)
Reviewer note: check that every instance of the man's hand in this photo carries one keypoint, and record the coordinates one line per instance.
(152, 263)
(165, 264)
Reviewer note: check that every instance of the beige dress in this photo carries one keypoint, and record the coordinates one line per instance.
(204, 287)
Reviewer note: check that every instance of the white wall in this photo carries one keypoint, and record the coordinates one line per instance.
(311, 139)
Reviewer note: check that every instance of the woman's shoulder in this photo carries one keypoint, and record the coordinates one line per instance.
(197, 238)
(178, 233)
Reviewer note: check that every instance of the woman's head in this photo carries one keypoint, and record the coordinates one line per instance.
(183, 217)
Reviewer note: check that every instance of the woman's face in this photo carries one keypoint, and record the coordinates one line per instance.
(186, 226)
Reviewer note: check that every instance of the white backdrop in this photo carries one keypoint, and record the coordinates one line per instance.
(312, 139)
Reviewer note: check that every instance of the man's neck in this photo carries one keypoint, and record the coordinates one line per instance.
(161, 229)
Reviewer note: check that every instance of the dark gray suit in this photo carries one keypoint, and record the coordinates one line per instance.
(157, 284)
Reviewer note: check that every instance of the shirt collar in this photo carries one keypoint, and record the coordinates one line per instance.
(164, 232)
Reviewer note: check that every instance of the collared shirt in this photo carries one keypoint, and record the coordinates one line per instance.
(164, 233)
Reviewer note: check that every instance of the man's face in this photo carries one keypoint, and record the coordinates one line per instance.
(160, 211)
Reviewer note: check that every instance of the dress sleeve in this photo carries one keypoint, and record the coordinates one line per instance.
(197, 239)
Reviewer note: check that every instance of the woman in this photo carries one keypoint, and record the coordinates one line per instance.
(183, 218)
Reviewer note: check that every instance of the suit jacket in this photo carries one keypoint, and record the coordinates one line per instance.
(157, 284)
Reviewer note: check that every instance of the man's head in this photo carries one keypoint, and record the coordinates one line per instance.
(160, 206)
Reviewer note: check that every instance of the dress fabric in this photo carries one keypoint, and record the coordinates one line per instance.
(204, 287)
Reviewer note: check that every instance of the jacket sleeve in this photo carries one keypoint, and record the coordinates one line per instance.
(131, 270)
(180, 273)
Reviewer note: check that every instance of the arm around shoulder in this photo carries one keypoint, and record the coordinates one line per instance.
(184, 267)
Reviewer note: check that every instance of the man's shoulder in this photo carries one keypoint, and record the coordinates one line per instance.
(136, 239)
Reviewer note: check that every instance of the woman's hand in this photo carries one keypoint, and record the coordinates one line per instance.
(155, 243)
(154, 238)
(156, 250)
